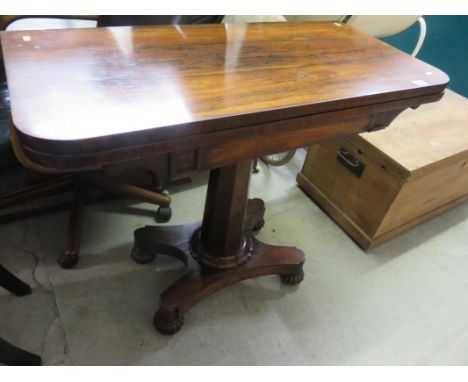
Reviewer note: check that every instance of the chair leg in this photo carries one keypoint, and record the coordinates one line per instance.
(13, 356)
(164, 212)
(13, 284)
(135, 192)
(38, 191)
(70, 258)
(255, 169)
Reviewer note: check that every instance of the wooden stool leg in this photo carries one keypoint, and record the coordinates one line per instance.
(70, 258)
(13, 284)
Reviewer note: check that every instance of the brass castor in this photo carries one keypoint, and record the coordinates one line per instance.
(168, 323)
(68, 260)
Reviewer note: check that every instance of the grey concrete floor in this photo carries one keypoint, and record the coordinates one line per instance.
(404, 303)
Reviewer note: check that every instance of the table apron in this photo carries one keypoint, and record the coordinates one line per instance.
(216, 149)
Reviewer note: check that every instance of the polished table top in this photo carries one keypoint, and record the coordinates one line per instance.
(122, 86)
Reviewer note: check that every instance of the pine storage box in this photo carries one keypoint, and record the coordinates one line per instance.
(380, 184)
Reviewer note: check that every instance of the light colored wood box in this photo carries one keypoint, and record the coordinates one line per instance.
(413, 170)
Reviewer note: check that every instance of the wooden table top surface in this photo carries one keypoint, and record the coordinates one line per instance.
(173, 81)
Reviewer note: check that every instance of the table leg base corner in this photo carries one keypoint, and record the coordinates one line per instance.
(200, 281)
(168, 322)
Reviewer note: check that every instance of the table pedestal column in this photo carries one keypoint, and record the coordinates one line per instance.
(219, 251)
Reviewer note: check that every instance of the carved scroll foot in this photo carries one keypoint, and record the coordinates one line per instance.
(168, 322)
(293, 278)
(200, 281)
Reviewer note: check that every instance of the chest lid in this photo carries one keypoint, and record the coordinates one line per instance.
(428, 136)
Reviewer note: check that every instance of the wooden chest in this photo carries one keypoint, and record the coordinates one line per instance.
(377, 185)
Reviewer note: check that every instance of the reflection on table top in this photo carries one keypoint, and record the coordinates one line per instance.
(90, 83)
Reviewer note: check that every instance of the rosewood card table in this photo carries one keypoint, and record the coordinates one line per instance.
(219, 95)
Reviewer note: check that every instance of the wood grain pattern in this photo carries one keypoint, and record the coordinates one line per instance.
(70, 89)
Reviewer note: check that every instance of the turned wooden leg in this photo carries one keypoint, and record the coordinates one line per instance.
(13, 284)
(70, 258)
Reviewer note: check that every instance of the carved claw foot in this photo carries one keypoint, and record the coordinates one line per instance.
(68, 260)
(199, 282)
(293, 279)
(168, 322)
